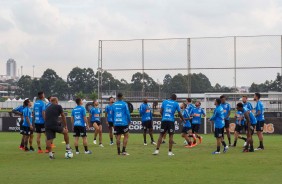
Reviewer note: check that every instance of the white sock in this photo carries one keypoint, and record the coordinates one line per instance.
(68, 146)
(50, 153)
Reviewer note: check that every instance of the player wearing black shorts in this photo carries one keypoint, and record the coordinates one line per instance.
(248, 126)
(53, 126)
(218, 120)
(110, 119)
(240, 125)
(95, 118)
(80, 123)
(260, 120)
(147, 121)
(167, 112)
(227, 110)
(122, 120)
(19, 111)
(27, 124)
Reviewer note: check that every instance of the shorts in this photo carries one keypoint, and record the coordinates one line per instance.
(218, 132)
(195, 128)
(51, 131)
(27, 131)
(167, 126)
(239, 128)
(147, 125)
(97, 122)
(185, 130)
(226, 123)
(119, 130)
(39, 128)
(21, 127)
(252, 129)
(79, 131)
(260, 126)
(111, 124)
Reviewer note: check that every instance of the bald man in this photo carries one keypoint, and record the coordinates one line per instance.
(53, 126)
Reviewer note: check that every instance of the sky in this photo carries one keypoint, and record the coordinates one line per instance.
(62, 34)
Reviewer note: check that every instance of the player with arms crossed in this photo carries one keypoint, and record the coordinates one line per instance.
(27, 125)
(53, 126)
(250, 122)
(196, 115)
(147, 120)
(110, 118)
(95, 118)
(80, 123)
(259, 114)
(121, 121)
(168, 122)
(39, 119)
(218, 120)
(227, 110)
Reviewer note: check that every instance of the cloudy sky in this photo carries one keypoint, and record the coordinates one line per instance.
(62, 34)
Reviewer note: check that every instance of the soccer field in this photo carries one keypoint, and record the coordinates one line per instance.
(196, 165)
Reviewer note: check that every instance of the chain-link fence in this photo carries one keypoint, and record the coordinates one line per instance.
(144, 67)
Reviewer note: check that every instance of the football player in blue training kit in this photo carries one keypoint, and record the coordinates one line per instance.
(80, 123)
(19, 111)
(110, 118)
(218, 120)
(186, 130)
(168, 122)
(121, 122)
(147, 120)
(95, 119)
(250, 122)
(27, 124)
(247, 104)
(189, 109)
(227, 110)
(39, 119)
(259, 114)
(196, 116)
(240, 125)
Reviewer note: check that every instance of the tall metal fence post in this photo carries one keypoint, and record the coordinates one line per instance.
(235, 65)
(189, 67)
(143, 73)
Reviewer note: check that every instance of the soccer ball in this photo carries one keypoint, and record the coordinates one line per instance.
(68, 155)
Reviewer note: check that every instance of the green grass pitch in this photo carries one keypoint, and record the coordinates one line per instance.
(196, 165)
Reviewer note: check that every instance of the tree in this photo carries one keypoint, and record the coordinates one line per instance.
(80, 95)
(24, 87)
(82, 79)
(200, 83)
(35, 86)
(48, 80)
(93, 96)
(138, 80)
(60, 89)
(166, 84)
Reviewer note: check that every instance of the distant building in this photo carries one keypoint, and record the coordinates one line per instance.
(11, 68)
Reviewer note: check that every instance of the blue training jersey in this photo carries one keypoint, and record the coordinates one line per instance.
(19, 109)
(218, 117)
(95, 113)
(38, 108)
(248, 105)
(240, 118)
(121, 113)
(169, 107)
(226, 108)
(145, 112)
(27, 114)
(186, 115)
(197, 113)
(253, 119)
(190, 107)
(48, 104)
(78, 114)
(110, 115)
(260, 107)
